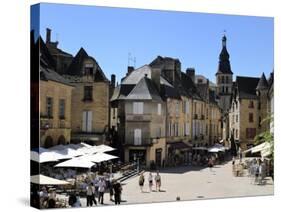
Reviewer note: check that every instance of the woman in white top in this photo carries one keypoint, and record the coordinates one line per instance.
(150, 181)
(101, 189)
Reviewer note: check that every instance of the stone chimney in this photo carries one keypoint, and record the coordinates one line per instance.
(191, 73)
(130, 70)
(155, 77)
(48, 35)
(113, 80)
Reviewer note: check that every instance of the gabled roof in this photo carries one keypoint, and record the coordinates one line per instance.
(262, 83)
(189, 87)
(135, 76)
(56, 51)
(47, 71)
(76, 66)
(144, 90)
(46, 59)
(247, 87)
(159, 60)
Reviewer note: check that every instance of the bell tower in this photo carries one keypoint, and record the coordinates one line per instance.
(224, 78)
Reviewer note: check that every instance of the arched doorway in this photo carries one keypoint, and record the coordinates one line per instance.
(48, 142)
(61, 140)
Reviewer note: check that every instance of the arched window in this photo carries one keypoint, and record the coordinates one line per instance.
(49, 142)
(222, 79)
(61, 140)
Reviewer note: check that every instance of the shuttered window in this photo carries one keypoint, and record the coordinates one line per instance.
(137, 107)
(87, 120)
(137, 137)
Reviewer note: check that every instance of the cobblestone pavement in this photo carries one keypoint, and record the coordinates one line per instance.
(192, 183)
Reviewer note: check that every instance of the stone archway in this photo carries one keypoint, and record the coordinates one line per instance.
(49, 142)
(61, 140)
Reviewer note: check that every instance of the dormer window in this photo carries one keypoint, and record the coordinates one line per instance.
(89, 69)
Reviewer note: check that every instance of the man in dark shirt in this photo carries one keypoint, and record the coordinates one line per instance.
(117, 192)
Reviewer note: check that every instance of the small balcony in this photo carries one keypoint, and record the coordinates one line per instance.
(138, 117)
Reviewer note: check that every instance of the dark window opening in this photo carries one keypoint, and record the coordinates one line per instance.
(49, 105)
(88, 93)
(251, 117)
(62, 109)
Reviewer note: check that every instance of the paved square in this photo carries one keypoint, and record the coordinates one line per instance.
(191, 183)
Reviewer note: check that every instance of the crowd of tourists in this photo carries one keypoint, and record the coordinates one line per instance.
(94, 192)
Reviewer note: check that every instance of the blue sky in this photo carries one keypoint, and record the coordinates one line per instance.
(109, 34)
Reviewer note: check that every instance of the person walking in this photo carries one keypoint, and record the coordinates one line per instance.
(158, 181)
(150, 181)
(110, 187)
(141, 182)
(210, 163)
(89, 194)
(101, 190)
(117, 188)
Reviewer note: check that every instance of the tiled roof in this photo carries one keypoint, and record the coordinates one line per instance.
(144, 90)
(49, 74)
(247, 87)
(262, 83)
(47, 71)
(56, 51)
(135, 76)
(76, 66)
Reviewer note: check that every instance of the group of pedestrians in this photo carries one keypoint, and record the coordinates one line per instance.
(151, 179)
(99, 187)
(257, 171)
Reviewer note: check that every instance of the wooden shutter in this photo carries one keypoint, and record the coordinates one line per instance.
(89, 121)
(84, 121)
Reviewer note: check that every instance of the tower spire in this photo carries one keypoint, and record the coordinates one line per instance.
(224, 40)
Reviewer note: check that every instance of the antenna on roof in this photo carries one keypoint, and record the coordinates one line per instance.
(134, 62)
(57, 36)
(131, 60)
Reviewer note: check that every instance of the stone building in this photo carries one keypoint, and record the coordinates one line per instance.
(249, 107)
(271, 100)
(55, 103)
(178, 99)
(90, 99)
(140, 114)
(184, 120)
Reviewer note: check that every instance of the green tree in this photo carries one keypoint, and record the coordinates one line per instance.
(267, 136)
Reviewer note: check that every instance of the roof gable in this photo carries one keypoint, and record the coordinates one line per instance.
(144, 90)
(247, 87)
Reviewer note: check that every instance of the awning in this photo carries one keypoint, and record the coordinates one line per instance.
(44, 180)
(179, 145)
(76, 163)
(200, 148)
(98, 157)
